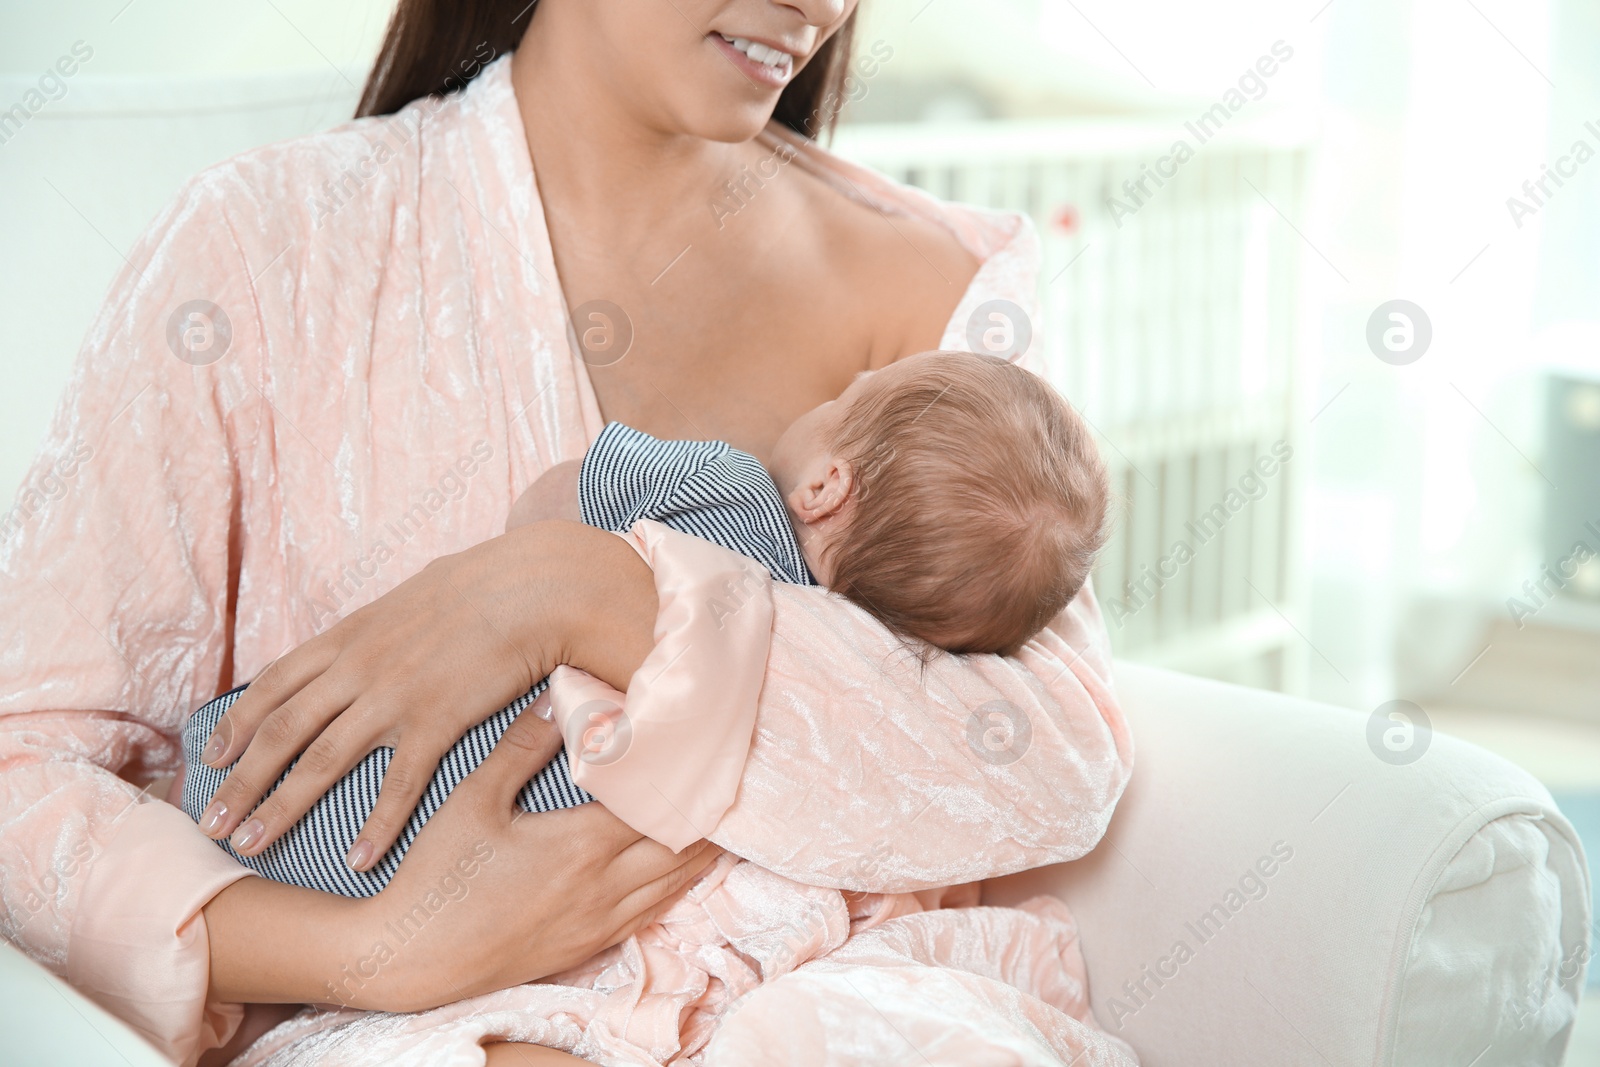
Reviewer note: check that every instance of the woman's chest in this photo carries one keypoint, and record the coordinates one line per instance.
(732, 330)
(713, 385)
(739, 362)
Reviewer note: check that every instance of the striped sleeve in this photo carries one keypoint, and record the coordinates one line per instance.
(707, 489)
(627, 475)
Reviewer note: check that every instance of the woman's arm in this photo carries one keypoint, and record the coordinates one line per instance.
(485, 900)
(866, 771)
(553, 495)
(419, 666)
(252, 962)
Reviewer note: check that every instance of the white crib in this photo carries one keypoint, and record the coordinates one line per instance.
(1171, 319)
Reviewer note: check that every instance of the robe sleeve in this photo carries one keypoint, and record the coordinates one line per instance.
(117, 578)
(868, 771)
(796, 731)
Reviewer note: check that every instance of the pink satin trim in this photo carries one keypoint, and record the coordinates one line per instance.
(139, 947)
(667, 757)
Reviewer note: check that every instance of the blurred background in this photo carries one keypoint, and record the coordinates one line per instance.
(1324, 275)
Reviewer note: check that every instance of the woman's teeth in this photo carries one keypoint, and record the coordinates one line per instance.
(759, 52)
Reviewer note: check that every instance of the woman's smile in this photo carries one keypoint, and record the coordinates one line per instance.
(761, 62)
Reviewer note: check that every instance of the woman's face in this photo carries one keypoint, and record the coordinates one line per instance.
(708, 68)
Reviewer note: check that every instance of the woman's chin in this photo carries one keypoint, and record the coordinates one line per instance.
(730, 126)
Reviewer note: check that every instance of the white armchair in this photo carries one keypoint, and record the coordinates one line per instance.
(1331, 908)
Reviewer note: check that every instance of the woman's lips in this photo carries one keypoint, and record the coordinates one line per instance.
(760, 63)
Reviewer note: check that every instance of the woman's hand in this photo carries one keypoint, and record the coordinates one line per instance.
(598, 882)
(547, 893)
(417, 668)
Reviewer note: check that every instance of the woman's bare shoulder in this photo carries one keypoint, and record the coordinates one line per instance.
(914, 270)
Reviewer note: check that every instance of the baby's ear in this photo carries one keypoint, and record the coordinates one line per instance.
(824, 494)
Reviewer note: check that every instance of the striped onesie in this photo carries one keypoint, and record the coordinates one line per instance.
(704, 488)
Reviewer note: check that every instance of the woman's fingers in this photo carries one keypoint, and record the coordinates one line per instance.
(415, 760)
(522, 750)
(343, 743)
(283, 678)
(282, 736)
(671, 872)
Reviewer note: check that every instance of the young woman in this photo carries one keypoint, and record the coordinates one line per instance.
(326, 373)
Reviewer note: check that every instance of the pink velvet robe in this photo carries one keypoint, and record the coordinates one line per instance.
(397, 367)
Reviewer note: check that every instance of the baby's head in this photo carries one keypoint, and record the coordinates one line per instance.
(956, 497)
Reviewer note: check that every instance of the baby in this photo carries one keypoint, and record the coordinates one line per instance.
(955, 497)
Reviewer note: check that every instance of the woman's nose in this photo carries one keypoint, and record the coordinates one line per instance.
(822, 13)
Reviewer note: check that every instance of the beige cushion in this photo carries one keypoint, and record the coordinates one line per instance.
(1430, 913)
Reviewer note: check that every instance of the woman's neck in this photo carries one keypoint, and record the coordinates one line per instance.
(605, 165)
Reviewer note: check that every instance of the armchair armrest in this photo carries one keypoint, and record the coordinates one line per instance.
(47, 1022)
(1270, 891)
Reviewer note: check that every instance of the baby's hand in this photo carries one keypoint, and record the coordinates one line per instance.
(553, 496)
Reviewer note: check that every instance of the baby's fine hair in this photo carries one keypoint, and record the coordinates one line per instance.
(979, 504)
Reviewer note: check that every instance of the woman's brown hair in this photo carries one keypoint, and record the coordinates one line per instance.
(435, 47)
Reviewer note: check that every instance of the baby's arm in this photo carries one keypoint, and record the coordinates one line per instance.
(554, 495)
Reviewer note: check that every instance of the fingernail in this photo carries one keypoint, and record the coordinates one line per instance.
(248, 834)
(214, 749)
(360, 854)
(211, 818)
